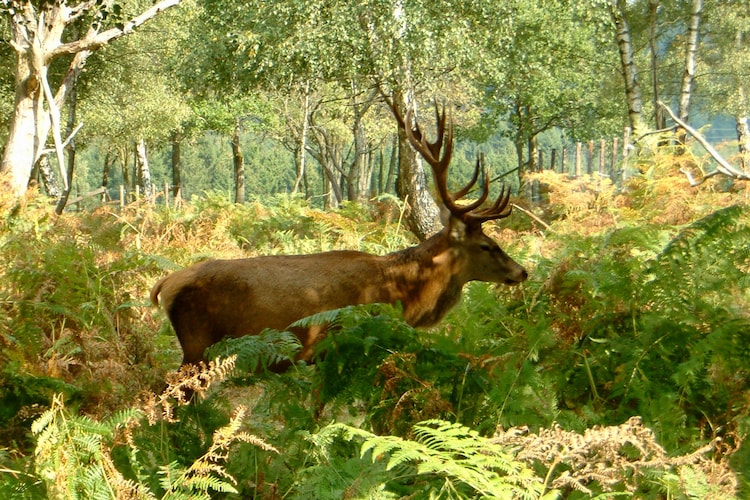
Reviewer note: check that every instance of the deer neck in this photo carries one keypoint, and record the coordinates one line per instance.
(426, 279)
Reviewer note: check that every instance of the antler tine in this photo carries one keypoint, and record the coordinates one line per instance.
(465, 209)
(430, 151)
(496, 211)
(480, 165)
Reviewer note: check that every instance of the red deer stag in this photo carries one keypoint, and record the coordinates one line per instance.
(218, 298)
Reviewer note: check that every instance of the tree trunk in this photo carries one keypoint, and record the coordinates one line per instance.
(327, 155)
(422, 214)
(239, 165)
(520, 161)
(392, 164)
(48, 177)
(70, 148)
(688, 76)
(334, 195)
(381, 172)
(107, 166)
(360, 173)
(176, 166)
(142, 169)
(659, 119)
(370, 186)
(28, 128)
(332, 186)
(127, 181)
(302, 147)
(743, 141)
(629, 70)
(534, 166)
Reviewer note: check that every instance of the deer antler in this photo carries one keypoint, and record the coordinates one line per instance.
(430, 151)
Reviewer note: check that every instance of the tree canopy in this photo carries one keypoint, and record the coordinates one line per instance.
(310, 79)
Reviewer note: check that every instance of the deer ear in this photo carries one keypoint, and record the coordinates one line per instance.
(457, 228)
(445, 215)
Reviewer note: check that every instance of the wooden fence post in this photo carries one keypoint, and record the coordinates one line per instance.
(613, 164)
(553, 160)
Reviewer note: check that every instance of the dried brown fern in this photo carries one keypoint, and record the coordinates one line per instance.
(182, 385)
(588, 198)
(611, 456)
(208, 472)
(122, 489)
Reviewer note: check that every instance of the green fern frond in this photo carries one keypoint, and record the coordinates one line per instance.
(205, 483)
(208, 473)
(170, 474)
(255, 351)
(353, 314)
(394, 446)
(43, 421)
(457, 455)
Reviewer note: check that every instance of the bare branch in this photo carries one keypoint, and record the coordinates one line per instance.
(691, 179)
(94, 41)
(54, 117)
(724, 166)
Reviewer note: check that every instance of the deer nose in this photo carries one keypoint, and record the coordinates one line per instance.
(520, 277)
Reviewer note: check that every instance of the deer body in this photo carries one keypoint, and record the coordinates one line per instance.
(218, 298)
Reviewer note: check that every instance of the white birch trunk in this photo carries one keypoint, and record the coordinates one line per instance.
(301, 160)
(144, 172)
(691, 50)
(627, 60)
(743, 141)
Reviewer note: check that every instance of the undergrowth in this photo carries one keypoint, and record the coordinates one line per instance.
(626, 348)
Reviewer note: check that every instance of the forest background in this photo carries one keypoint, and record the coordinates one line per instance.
(269, 121)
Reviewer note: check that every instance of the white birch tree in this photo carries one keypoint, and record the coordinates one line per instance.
(39, 30)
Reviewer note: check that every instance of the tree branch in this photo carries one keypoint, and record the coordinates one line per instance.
(724, 166)
(54, 116)
(691, 179)
(95, 41)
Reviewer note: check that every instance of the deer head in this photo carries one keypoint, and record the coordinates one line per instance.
(484, 259)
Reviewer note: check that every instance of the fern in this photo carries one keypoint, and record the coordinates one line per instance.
(70, 449)
(654, 321)
(359, 339)
(74, 457)
(624, 459)
(449, 460)
(207, 473)
(255, 352)
(345, 316)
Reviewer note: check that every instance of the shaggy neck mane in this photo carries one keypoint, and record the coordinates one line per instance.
(425, 280)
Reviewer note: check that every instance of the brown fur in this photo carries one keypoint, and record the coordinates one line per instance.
(218, 298)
